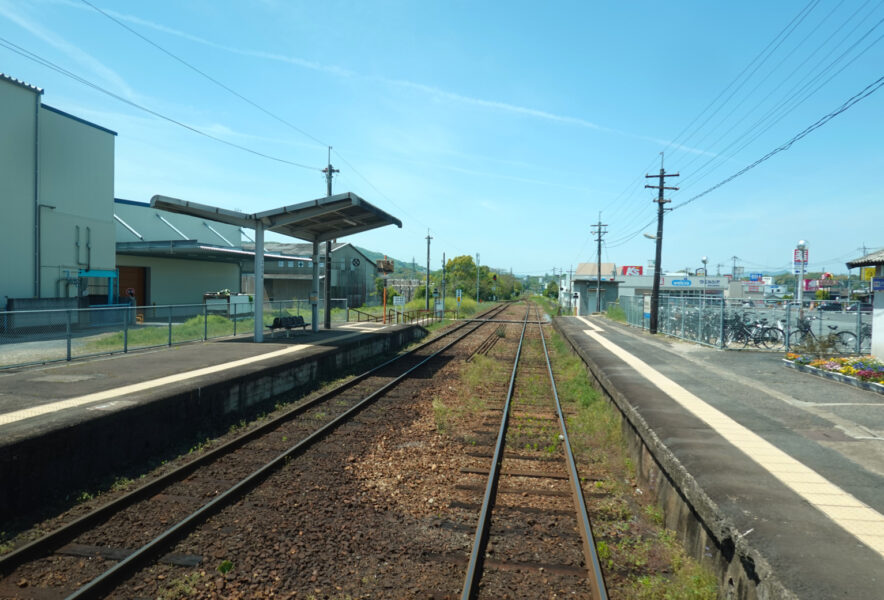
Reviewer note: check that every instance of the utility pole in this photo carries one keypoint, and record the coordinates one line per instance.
(477, 277)
(718, 269)
(734, 268)
(599, 233)
(428, 269)
(443, 284)
(655, 292)
(329, 174)
(570, 288)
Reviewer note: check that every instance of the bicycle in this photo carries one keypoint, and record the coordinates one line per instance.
(842, 342)
(740, 331)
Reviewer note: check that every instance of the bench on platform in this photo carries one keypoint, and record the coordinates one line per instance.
(287, 323)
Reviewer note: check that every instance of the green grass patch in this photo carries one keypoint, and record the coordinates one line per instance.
(616, 312)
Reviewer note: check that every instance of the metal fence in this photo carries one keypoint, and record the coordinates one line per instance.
(819, 328)
(42, 336)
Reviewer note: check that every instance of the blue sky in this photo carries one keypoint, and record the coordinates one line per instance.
(502, 127)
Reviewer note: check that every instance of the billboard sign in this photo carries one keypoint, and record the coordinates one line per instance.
(811, 285)
(631, 270)
(755, 276)
(681, 282)
(878, 284)
(799, 255)
(868, 273)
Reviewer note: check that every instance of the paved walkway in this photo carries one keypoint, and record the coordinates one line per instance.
(793, 462)
(34, 398)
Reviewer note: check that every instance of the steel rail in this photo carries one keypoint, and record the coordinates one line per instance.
(105, 582)
(477, 556)
(516, 322)
(594, 567)
(63, 535)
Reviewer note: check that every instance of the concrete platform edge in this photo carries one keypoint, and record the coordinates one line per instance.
(707, 535)
(57, 462)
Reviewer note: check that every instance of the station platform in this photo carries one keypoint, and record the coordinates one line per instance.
(782, 471)
(65, 426)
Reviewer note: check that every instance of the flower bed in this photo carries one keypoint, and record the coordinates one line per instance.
(861, 371)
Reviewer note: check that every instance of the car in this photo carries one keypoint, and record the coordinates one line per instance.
(833, 306)
(861, 306)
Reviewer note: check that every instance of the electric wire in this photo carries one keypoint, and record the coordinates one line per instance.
(61, 70)
(784, 34)
(248, 101)
(205, 75)
(782, 107)
(750, 93)
(861, 95)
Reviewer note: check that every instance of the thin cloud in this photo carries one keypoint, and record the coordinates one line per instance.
(426, 89)
(85, 59)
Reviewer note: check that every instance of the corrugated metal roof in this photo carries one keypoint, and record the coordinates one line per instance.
(21, 83)
(869, 260)
(317, 220)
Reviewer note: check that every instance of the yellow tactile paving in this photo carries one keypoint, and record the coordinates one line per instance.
(851, 514)
(36, 411)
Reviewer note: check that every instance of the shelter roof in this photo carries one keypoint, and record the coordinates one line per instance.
(193, 249)
(586, 271)
(317, 220)
(869, 260)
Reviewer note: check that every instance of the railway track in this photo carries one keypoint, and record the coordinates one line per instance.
(533, 537)
(93, 555)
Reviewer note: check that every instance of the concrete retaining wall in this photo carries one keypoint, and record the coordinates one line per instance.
(687, 509)
(61, 462)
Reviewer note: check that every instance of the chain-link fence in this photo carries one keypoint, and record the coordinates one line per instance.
(815, 327)
(41, 336)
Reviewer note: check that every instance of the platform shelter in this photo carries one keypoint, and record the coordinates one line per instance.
(315, 221)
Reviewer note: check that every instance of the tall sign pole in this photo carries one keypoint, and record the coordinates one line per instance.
(655, 292)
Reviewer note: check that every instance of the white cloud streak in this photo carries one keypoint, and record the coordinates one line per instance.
(88, 61)
(426, 89)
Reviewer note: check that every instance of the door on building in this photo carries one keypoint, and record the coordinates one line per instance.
(135, 279)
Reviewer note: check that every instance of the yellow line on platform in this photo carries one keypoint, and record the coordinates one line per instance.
(854, 516)
(36, 411)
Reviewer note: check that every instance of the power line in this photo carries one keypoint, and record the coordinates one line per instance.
(782, 107)
(204, 74)
(865, 93)
(790, 27)
(241, 97)
(46, 63)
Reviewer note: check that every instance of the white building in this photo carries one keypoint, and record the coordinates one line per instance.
(57, 185)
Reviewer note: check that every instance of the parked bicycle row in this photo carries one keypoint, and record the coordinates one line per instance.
(727, 324)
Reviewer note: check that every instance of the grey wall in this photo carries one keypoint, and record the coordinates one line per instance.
(177, 281)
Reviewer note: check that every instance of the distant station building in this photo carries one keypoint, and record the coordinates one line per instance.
(588, 287)
(290, 274)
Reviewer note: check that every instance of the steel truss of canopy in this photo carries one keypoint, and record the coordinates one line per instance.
(315, 221)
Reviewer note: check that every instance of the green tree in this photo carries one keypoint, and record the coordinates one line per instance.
(552, 290)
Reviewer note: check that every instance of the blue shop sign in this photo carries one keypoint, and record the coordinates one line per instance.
(878, 284)
(681, 282)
